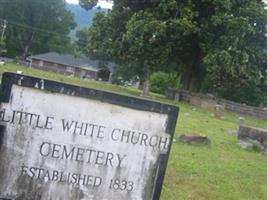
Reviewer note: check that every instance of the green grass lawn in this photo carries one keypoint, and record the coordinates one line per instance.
(220, 171)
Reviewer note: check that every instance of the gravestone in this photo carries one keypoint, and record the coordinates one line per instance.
(194, 139)
(241, 121)
(252, 138)
(195, 101)
(59, 141)
(218, 111)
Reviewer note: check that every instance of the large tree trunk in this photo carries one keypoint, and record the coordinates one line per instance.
(189, 80)
(193, 73)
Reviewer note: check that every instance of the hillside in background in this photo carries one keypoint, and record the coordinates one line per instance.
(82, 17)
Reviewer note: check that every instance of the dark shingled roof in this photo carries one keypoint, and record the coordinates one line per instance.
(69, 60)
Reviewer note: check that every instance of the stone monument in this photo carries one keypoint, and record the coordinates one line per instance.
(64, 142)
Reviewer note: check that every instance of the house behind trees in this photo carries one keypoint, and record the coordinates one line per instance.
(66, 64)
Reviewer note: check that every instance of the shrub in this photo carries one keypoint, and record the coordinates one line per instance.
(161, 81)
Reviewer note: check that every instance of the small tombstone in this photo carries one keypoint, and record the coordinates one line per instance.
(172, 94)
(195, 139)
(208, 104)
(241, 120)
(176, 96)
(218, 111)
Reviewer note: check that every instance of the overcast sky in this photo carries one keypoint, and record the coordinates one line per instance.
(101, 3)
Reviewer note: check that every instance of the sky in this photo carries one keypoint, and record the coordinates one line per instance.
(101, 3)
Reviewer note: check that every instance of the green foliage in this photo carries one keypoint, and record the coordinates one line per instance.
(122, 76)
(35, 26)
(219, 45)
(134, 40)
(161, 81)
(235, 54)
(2, 43)
(241, 84)
(264, 102)
(250, 94)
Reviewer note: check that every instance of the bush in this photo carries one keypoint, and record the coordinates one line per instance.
(161, 81)
(248, 92)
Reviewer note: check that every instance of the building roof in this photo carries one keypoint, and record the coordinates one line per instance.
(70, 60)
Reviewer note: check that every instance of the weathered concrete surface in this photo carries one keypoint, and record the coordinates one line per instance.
(252, 138)
(106, 152)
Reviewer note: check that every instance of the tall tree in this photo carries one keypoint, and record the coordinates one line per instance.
(36, 25)
(216, 45)
(149, 36)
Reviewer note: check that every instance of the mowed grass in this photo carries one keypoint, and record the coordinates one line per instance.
(220, 171)
(67, 79)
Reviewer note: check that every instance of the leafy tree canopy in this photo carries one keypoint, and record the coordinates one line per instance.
(36, 26)
(216, 45)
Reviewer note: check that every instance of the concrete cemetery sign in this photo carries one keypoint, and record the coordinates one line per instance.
(60, 141)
